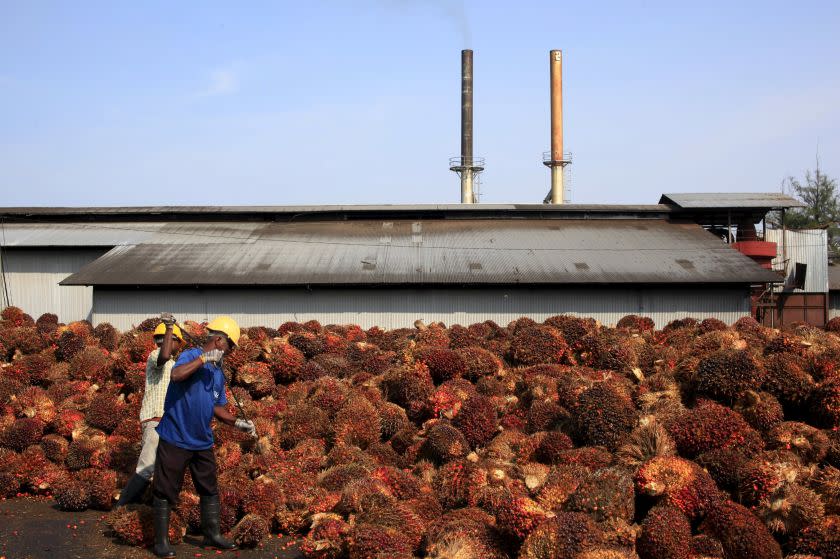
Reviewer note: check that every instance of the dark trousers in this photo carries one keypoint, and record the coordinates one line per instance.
(170, 464)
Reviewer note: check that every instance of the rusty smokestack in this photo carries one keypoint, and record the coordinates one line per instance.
(467, 126)
(557, 161)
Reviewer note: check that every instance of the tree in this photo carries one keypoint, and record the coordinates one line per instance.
(822, 205)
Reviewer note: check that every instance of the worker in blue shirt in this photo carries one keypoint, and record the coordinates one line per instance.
(196, 395)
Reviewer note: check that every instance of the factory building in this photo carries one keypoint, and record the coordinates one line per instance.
(386, 265)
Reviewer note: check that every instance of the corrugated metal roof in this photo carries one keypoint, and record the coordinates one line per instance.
(77, 234)
(761, 200)
(209, 211)
(397, 252)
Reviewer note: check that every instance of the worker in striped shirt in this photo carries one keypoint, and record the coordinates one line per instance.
(169, 339)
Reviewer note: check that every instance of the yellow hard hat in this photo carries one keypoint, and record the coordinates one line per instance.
(227, 326)
(176, 331)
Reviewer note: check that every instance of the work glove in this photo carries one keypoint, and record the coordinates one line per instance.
(246, 426)
(212, 356)
(167, 318)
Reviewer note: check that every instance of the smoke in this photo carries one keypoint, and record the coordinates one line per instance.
(453, 11)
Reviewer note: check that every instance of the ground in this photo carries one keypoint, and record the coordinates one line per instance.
(33, 528)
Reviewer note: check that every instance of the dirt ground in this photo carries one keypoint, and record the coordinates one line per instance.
(32, 528)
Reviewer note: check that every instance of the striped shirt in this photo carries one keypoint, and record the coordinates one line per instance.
(157, 381)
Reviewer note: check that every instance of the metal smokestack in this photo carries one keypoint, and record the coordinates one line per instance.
(556, 159)
(466, 165)
(467, 126)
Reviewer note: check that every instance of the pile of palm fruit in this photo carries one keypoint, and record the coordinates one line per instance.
(561, 439)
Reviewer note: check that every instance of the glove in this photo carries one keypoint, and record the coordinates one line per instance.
(247, 426)
(167, 318)
(212, 356)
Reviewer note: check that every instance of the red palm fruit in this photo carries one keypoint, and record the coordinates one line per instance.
(68, 344)
(825, 403)
(518, 516)
(134, 377)
(590, 457)
(706, 547)
(823, 362)
(367, 541)
(635, 322)
(545, 415)
(250, 530)
(369, 358)
(479, 363)
(432, 336)
(34, 402)
(309, 343)
(400, 483)
(67, 422)
(712, 325)
(710, 426)
(478, 420)
(791, 509)
(133, 525)
(725, 466)
(444, 364)
(538, 344)
(573, 328)
(462, 337)
(107, 336)
(809, 443)
(284, 360)
(91, 363)
(462, 546)
(470, 522)
(559, 485)
(302, 421)
(256, 377)
(106, 410)
(605, 494)
(137, 345)
(14, 316)
(648, 440)
(761, 410)
(678, 482)
(197, 331)
(228, 455)
(101, 486)
(72, 495)
(325, 539)
(36, 367)
(728, 374)
(357, 423)
(551, 446)
(263, 497)
(22, 433)
(397, 516)
(392, 419)
(363, 493)
(447, 400)
(822, 540)
(603, 416)
(148, 325)
(81, 451)
(410, 388)
(122, 453)
(334, 364)
(567, 535)
(458, 484)
(760, 476)
(23, 339)
(55, 447)
(247, 351)
(337, 477)
(826, 482)
(666, 534)
(444, 443)
(740, 531)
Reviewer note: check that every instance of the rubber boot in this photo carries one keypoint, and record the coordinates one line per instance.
(160, 516)
(133, 490)
(210, 509)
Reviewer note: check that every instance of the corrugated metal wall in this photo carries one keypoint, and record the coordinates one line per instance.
(833, 304)
(32, 277)
(394, 308)
(808, 246)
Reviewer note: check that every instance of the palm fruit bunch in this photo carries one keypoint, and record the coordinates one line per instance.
(566, 438)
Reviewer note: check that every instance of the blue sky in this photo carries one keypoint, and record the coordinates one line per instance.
(327, 101)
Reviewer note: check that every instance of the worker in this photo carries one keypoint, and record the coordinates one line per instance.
(196, 395)
(169, 340)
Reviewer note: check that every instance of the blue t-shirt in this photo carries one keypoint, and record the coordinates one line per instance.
(188, 407)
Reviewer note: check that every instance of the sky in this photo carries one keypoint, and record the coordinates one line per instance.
(108, 103)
